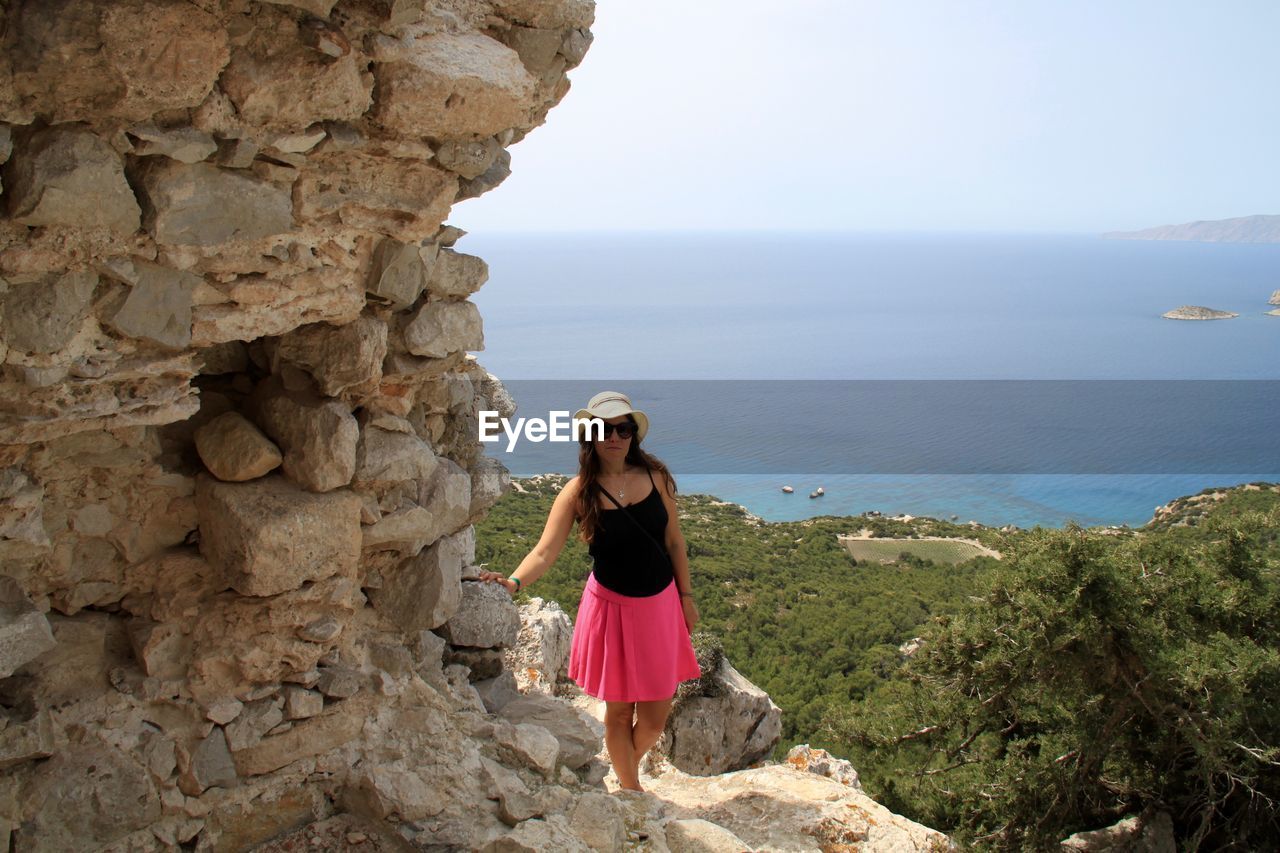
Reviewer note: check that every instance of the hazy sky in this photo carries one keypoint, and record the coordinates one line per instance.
(1078, 115)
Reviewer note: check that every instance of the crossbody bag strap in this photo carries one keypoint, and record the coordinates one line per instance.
(632, 518)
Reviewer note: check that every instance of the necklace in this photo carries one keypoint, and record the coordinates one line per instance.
(621, 488)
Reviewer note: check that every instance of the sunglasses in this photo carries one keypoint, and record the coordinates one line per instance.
(625, 430)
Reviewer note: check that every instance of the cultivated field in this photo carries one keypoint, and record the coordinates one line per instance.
(935, 549)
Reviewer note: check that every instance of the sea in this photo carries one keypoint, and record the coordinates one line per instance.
(1007, 379)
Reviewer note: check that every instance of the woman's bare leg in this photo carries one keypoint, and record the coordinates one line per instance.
(651, 719)
(618, 740)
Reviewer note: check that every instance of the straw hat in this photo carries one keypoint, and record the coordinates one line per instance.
(613, 404)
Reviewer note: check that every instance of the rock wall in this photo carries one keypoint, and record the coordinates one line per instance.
(238, 463)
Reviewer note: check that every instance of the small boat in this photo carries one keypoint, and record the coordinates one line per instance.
(819, 493)
(788, 489)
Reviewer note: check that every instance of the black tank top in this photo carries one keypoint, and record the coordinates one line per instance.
(625, 560)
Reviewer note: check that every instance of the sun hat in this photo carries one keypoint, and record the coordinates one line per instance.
(613, 404)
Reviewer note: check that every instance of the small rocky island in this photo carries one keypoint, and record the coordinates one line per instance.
(1198, 312)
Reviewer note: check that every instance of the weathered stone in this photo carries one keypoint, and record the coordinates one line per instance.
(69, 177)
(426, 590)
(386, 791)
(496, 692)
(580, 735)
(779, 808)
(229, 357)
(224, 710)
(575, 46)
(158, 307)
(281, 84)
(599, 821)
(184, 144)
(319, 8)
(234, 450)
(515, 803)
(694, 835)
(43, 316)
(469, 158)
(540, 655)
(1148, 833)
(441, 328)
(536, 836)
(406, 531)
(300, 703)
(319, 439)
(548, 14)
(536, 48)
(337, 357)
(338, 682)
(305, 740)
(236, 153)
(487, 618)
(209, 765)
(163, 649)
(321, 630)
(388, 455)
(482, 664)
(452, 86)
(252, 723)
(533, 745)
(24, 631)
(494, 175)
(273, 306)
(400, 272)
(408, 202)
(457, 275)
(730, 730)
(270, 536)
(23, 742)
(803, 757)
(86, 797)
(202, 205)
(490, 480)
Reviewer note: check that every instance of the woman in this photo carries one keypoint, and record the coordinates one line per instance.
(631, 643)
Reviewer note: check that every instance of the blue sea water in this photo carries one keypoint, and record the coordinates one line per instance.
(617, 309)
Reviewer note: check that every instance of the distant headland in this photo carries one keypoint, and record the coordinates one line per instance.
(1198, 312)
(1242, 229)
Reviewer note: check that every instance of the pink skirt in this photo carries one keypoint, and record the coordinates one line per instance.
(630, 649)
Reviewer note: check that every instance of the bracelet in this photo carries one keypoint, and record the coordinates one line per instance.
(686, 595)
(519, 583)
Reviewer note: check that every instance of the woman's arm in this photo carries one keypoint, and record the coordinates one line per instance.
(550, 544)
(678, 550)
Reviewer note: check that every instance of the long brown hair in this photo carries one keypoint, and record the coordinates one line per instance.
(588, 507)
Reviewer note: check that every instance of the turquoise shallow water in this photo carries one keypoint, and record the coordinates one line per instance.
(618, 309)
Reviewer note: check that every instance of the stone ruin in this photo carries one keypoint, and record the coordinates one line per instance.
(238, 456)
(239, 464)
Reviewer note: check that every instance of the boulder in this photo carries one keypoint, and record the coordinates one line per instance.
(337, 357)
(390, 453)
(540, 655)
(533, 746)
(441, 328)
(735, 727)
(43, 316)
(24, 631)
(487, 618)
(301, 703)
(537, 836)
(27, 741)
(469, 158)
(537, 48)
(306, 739)
(1148, 833)
(407, 530)
(234, 450)
(599, 821)
(581, 736)
(158, 306)
(451, 86)
(269, 536)
(515, 803)
(318, 438)
(70, 177)
(424, 591)
(447, 495)
(492, 177)
(457, 275)
(203, 205)
(387, 790)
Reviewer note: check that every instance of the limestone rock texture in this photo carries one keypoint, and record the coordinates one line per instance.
(239, 461)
